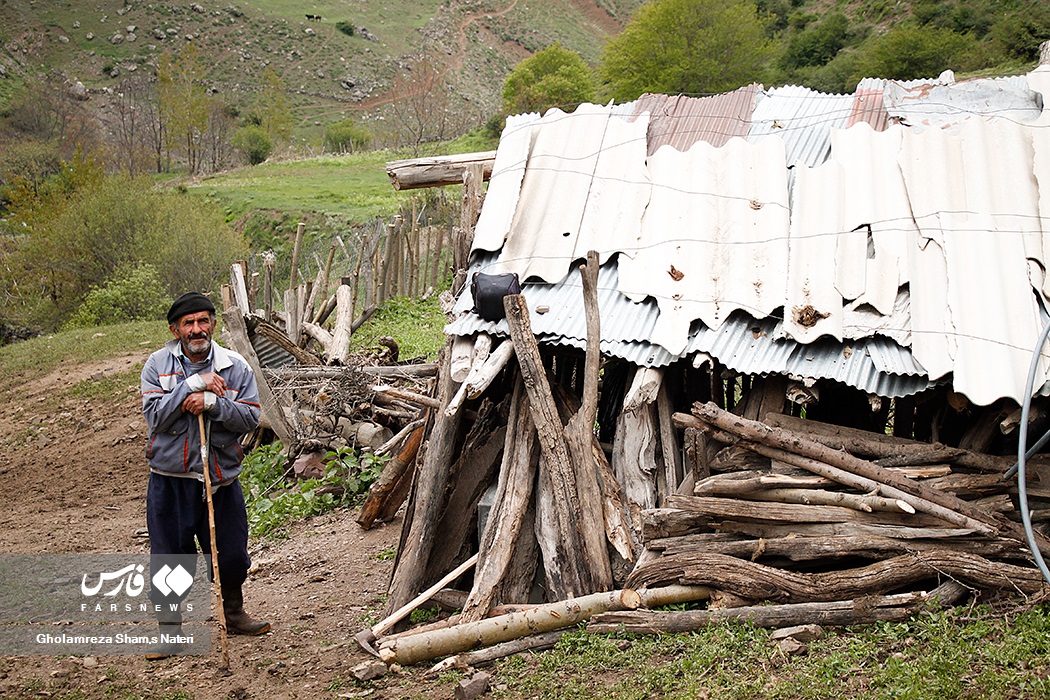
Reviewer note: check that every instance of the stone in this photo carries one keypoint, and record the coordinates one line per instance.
(473, 687)
(117, 38)
(309, 465)
(801, 633)
(369, 670)
(791, 646)
(63, 39)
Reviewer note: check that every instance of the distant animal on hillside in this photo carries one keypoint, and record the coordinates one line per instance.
(314, 18)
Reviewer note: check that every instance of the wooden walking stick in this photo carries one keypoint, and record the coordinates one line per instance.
(217, 584)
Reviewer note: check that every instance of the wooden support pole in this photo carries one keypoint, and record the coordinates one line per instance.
(340, 346)
(513, 495)
(573, 571)
(272, 411)
(428, 499)
(380, 491)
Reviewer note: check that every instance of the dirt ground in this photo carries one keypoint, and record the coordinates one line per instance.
(73, 479)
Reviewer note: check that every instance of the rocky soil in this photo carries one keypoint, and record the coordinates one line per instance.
(73, 478)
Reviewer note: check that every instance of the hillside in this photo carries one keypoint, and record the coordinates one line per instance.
(328, 73)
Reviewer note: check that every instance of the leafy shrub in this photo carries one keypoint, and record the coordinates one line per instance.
(253, 143)
(494, 126)
(1020, 33)
(908, 52)
(134, 293)
(345, 26)
(817, 44)
(346, 137)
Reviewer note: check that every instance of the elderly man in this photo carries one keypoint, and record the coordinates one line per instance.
(189, 376)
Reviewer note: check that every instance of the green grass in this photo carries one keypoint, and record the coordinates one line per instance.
(44, 354)
(416, 325)
(355, 186)
(949, 654)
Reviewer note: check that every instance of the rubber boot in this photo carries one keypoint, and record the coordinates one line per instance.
(170, 626)
(238, 621)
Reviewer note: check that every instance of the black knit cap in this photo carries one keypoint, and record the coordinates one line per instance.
(189, 303)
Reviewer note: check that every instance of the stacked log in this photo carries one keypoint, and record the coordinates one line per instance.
(801, 522)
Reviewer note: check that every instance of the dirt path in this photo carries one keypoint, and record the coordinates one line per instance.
(74, 480)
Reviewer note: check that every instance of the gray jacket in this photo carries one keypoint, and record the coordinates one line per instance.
(174, 435)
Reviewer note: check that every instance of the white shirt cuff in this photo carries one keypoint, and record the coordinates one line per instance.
(209, 400)
(196, 383)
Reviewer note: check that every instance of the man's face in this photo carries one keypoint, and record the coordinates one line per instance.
(194, 332)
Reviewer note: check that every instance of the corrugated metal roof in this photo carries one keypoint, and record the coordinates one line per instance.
(874, 364)
(869, 107)
(679, 121)
(925, 237)
(501, 197)
(943, 105)
(803, 119)
(271, 355)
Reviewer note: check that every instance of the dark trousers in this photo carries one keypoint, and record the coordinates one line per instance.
(177, 520)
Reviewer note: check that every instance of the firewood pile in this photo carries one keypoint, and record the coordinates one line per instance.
(820, 523)
(316, 395)
(780, 521)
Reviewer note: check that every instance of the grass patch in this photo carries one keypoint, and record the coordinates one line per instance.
(42, 355)
(416, 324)
(355, 185)
(952, 653)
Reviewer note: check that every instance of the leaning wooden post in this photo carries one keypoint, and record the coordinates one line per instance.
(428, 500)
(579, 435)
(293, 280)
(573, 567)
(513, 494)
(272, 411)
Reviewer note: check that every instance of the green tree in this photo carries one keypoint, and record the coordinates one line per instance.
(183, 103)
(253, 143)
(275, 116)
(85, 233)
(552, 77)
(907, 52)
(687, 46)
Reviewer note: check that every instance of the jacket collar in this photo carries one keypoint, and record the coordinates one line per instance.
(221, 358)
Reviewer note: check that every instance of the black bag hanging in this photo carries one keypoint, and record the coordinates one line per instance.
(488, 292)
